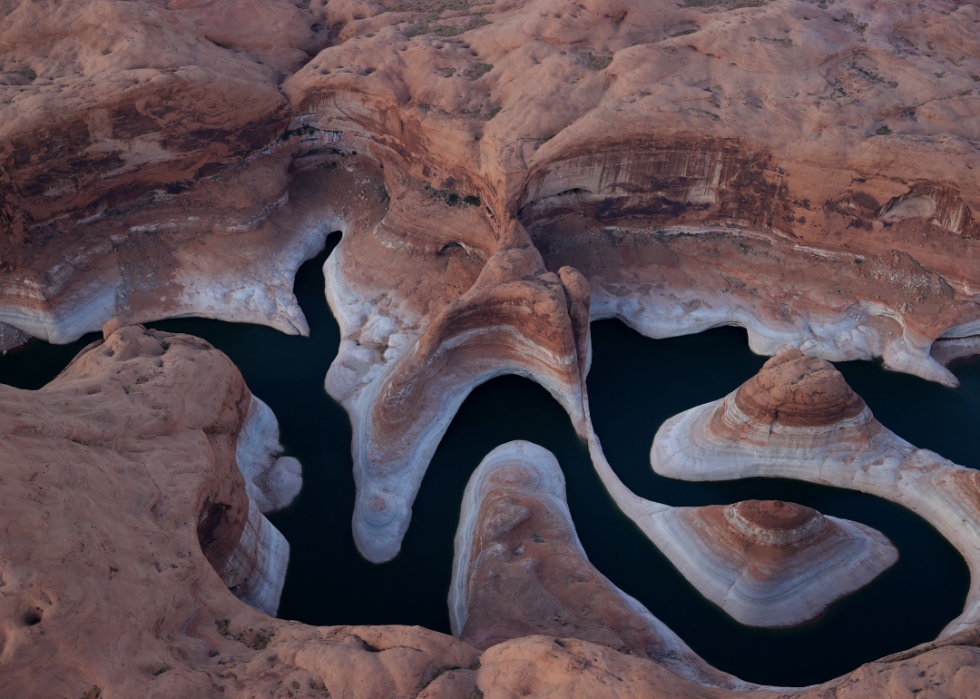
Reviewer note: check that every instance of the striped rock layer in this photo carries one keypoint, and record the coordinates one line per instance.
(772, 563)
(799, 419)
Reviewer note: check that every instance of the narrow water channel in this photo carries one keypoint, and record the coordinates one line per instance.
(635, 384)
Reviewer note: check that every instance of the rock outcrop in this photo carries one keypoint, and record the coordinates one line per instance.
(123, 513)
(500, 172)
(272, 481)
(515, 318)
(798, 418)
(771, 563)
(520, 570)
(764, 563)
(148, 400)
(795, 169)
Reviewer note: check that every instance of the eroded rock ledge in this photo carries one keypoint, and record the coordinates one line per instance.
(106, 585)
(513, 168)
(795, 169)
(798, 418)
(771, 563)
(520, 570)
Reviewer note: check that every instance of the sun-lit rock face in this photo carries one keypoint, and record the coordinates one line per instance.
(798, 418)
(796, 409)
(772, 563)
(686, 165)
(516, 318)
(146, 397)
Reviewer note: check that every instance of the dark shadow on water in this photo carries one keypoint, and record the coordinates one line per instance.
(37, 363)
(635, 384)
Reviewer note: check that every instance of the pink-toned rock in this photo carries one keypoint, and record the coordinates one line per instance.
(109, 588)
(798, 391)
(798, 418)
(689, 162)
(696, 164)
(520, 570)
(772, 563)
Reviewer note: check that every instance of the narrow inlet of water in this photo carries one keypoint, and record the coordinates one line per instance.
(635, 384)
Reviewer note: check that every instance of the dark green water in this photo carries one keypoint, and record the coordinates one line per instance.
(635, 384)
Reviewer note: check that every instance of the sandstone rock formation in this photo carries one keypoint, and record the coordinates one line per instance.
(272, 481)
(798, 418)
(796, 169)
(803, 170)
(771, 563)
(148, 397)
(515, 318)
(121, 501)
(520, 570)
(764, 563)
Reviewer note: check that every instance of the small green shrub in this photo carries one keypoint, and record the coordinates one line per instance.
(479, 71)
(598, 63)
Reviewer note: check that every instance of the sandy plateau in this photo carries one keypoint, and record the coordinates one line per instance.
(502, 172)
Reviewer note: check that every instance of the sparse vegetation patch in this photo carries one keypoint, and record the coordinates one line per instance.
(451, 198)
(598, 63)
(850, 20)
(479, 71)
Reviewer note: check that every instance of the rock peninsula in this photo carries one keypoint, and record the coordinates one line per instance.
(798, 418)
(502, 173)
(115, 581)
(772, 563)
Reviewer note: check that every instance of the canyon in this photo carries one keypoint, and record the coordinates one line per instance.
(798, 418)
(503, 174)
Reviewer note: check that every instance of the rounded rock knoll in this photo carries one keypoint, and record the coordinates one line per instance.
(798, 418)
(771, 563)
(798, 391)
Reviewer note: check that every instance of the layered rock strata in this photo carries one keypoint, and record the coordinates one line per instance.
(795, 169)
(520, 570)
(805, 171)
(120, 500)
(515, 318)
(771, 563)
(798, 418)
